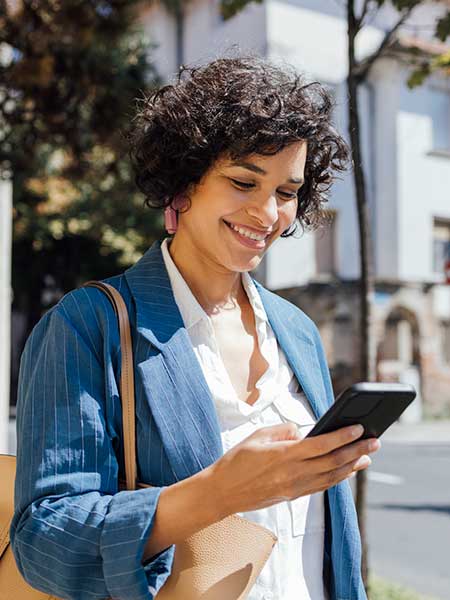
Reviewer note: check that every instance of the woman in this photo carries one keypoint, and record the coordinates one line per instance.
(229, 376)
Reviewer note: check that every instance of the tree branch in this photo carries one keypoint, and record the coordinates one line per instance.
(360, 19)
(351, 23)
(361, 70)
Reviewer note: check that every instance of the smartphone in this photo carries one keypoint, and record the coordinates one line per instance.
(374, 405)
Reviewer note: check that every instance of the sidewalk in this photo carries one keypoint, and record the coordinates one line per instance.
(427, 432)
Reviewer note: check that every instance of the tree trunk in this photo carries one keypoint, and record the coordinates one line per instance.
(366, 287)
(179, 34)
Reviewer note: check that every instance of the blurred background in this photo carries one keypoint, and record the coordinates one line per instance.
(376, 280)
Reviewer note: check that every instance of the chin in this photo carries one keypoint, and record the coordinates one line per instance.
(247, 265)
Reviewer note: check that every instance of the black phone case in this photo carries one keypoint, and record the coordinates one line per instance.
(374, 405)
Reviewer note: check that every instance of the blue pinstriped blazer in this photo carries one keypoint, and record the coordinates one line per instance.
(73, 534)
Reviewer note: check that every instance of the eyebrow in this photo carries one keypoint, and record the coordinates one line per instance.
(255, 169)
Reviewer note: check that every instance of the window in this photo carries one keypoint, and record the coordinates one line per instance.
(441, 244)
(445, 341)
(326, 246)
(440, 105)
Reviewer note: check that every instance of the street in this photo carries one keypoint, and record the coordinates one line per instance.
(409, 511)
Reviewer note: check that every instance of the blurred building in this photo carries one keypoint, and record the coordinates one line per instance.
(406, 145)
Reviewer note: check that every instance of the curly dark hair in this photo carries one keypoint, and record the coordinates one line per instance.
(234, 107)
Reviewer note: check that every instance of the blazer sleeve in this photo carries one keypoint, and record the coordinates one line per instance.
(73, 534)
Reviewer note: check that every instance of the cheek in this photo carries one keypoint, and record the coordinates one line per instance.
(289, 211)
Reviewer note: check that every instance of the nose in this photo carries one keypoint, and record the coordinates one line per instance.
(265, 210)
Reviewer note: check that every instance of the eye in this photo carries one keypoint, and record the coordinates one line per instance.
(243, 184)
(290, 195)
(247, 186)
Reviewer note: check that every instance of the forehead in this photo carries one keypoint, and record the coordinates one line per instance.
(290, 159)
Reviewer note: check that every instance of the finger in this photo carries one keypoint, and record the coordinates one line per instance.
(325, 443)
(335, 476)
(278, 433)
(342, 456)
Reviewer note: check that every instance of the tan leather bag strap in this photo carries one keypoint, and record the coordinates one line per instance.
(126, 379)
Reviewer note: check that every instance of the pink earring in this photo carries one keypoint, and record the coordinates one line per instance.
(170, 214)
(170, 219)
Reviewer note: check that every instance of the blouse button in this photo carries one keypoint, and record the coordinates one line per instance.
(255, 418)
(268, 596)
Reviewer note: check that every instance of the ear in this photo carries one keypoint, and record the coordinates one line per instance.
(179, 201)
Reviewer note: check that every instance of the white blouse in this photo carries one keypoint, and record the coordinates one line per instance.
(294, 568)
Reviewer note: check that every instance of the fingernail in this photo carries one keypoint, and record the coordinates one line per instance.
(363, 461)
(374, 445)
(357, 430)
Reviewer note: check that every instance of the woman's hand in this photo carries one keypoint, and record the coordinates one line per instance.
(275, 464)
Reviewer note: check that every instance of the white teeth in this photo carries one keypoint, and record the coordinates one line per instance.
(249, 234)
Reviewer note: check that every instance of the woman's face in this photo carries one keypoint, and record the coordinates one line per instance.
(257, 194)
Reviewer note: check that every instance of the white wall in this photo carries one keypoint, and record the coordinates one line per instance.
(343, 196)
(290, 262)
(441, 301)
(312, 36)
(423, 178)
(206, 35)
(159, 26)
(384, 78)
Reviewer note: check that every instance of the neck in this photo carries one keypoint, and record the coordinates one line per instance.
(214, 287)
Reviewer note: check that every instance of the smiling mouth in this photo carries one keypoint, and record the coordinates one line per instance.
(266, 236)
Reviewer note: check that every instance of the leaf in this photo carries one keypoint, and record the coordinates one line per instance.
(443, 27)
(402, 5)
(418, 76)
(229, 8)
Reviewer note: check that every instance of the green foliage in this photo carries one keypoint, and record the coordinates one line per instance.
(440, 63)
(423, 65)
(402, 5)
(74, 68)
(174, 6)
(229, 8)
(380, 589)
(418, 76)
(398, 4)
(66, 97)
(443, 27)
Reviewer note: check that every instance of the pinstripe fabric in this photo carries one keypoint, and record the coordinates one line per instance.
(73, 534)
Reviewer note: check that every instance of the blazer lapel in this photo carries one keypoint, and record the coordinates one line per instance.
(172, 378)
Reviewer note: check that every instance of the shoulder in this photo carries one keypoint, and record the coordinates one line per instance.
(89, 305)
(84, 313)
